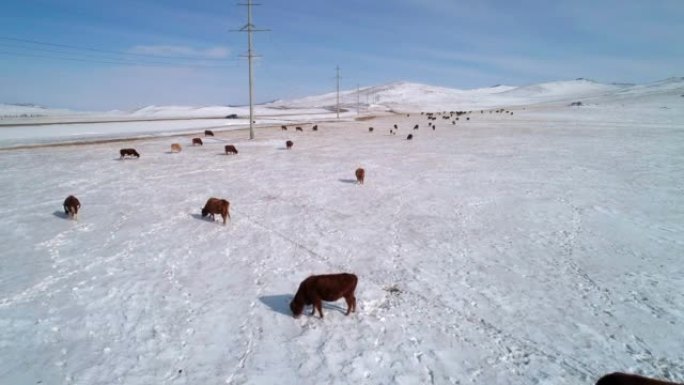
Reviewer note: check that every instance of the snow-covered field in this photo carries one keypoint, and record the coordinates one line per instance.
(540, 248)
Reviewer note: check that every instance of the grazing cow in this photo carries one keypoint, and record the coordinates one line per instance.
(216, 206)
(175, 147)
(467, 118)
(283, 128)
(71, 206)
(391, 132)
(208, 133)
(329, 287)
(409, 137)
(289, 144)
(315, 128)
(197, 141)
(370, 129)
(299, 129)
(395, 127)
(433, 127)
(360, 175)
(230, 149)
(128, 151)
(618, 378)
(415, 127)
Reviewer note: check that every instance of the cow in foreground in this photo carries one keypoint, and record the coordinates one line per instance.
(329, 287)
(128, 152)
(619, 378)
(216, 206)
(360, 175)
(175, 147)
(208, 133)
(289, 144)
(71, 206)
(230, 149)
(197, 141)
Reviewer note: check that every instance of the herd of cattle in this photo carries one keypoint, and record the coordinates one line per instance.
(331, 287)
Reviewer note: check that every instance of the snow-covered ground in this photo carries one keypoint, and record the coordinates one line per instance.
(540, 248)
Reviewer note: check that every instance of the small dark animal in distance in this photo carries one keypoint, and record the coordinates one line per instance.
(409, 137)
(360, 175)
(208, 133)
(283, 128)
(197, 141)
(395, 127)
(289, 144)
(216, 206)
(315, 128)
(299, 129)
(231, 116)
(128, 152)
(415, 127)
(71, 206)
(329, 287)
(619, 378)
(370, 129)
(230, 149)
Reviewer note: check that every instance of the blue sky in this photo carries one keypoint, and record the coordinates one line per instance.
(93, 54)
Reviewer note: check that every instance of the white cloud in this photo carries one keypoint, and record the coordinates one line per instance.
(181, 51)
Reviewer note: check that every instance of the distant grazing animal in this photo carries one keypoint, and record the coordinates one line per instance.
(329, 287)
(230, 149)
(360, 175)
(208, 133)
(433, 127)
(299, 129)
(283, 128)
(408, 115)
(409, 137)
(128, 152)
(216, 206)
(71, 206)
(175, 147)
(467, 118)
(391, 132)
(315, 128)
(196, 141)
(289, 144)
(395, 127)
(370, 129)
(618, 378)
(415, 127)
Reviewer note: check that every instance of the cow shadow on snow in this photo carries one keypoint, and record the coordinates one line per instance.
(60, 214)
(347, 180)
(278, 303)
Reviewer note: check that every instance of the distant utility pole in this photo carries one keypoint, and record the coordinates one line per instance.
(338, 92)
(249, 28)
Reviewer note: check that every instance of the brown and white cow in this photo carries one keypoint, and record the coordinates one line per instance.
(329, 287)
(71, 206)
(216, 206)
(230, 149)
(175, 147)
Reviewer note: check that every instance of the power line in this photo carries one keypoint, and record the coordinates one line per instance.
(99, 50)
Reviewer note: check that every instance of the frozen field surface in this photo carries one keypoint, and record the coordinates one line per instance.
(545, 247)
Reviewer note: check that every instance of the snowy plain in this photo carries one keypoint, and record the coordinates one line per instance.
(543, 247)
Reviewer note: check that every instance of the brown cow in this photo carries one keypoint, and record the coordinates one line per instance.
(618, 378)
(283, 128)
(208, 133)
(360, 175)
(230, 149)
(128, 151)
(216, 206)
(175, 147)
(315, 128)
(197, 141)
(330, 287)
(289, 144)
(71, 206)
(299, 129)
